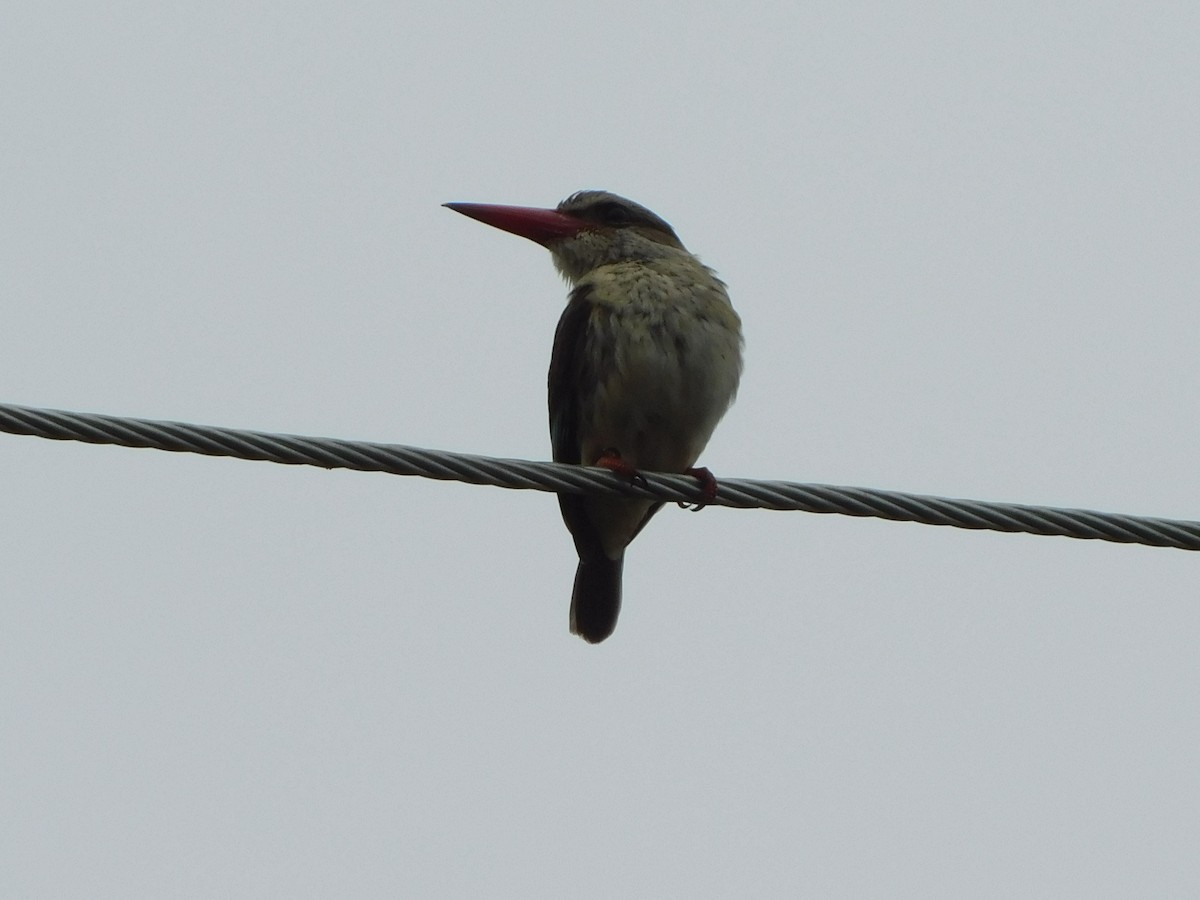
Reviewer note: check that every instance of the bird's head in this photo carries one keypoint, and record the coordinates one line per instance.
(587, 230)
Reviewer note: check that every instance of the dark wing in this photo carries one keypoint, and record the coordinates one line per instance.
(570, 374)
(568, 371)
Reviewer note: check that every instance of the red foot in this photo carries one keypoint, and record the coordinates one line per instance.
(708, 487)
(610, 458)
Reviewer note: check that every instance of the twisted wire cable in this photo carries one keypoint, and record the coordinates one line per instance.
(332, 453)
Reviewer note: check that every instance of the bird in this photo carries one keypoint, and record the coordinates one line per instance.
(647, 358)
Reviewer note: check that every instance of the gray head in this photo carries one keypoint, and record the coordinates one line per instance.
(616, 229)
(609, 211)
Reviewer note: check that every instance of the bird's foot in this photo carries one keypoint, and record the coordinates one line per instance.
(708, 487)
(610, 458)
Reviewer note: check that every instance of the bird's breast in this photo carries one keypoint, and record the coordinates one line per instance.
(665, 351)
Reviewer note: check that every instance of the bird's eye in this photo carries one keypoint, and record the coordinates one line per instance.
(613, 214)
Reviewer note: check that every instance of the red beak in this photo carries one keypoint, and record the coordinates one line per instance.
(546, 226)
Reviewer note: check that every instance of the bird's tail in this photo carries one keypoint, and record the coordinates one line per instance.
(596, 598)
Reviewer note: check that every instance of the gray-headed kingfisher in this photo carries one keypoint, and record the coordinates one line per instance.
(646, 360)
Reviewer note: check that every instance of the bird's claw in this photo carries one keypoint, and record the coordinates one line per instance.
(708, 488)
(610, 458)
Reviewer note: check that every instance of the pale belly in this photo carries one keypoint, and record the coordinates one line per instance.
(666, 382)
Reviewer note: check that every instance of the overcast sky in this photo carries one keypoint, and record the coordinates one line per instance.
(963, 242)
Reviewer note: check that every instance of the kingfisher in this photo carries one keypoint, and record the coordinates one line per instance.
(646, 360)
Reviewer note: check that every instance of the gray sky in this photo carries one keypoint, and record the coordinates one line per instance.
(963, 243)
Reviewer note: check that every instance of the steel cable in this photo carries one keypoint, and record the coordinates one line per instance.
(396, 459)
